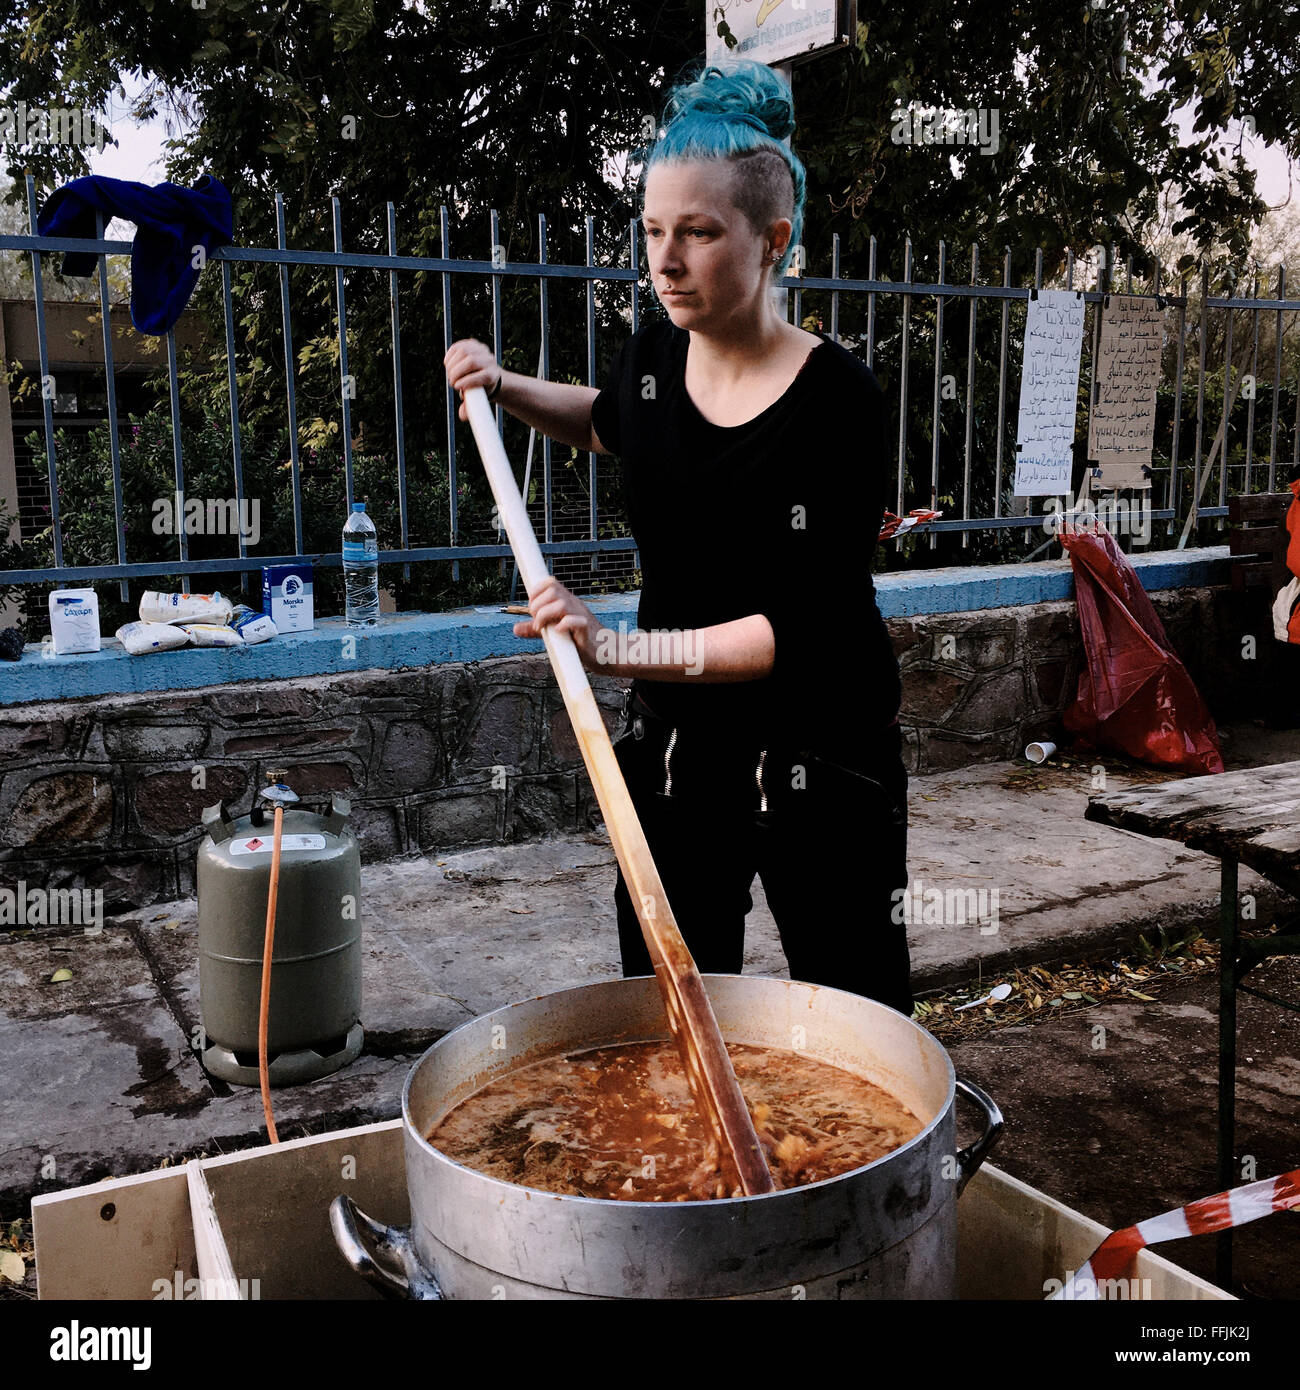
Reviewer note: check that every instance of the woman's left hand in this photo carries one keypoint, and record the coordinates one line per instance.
(554, 605)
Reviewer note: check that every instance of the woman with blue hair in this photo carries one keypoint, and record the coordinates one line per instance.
(761, 731)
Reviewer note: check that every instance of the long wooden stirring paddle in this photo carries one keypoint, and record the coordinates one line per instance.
(691, 1019)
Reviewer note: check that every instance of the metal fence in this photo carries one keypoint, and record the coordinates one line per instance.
(1176, 471)
(919, 315)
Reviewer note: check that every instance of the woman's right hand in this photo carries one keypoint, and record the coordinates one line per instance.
(470, 363)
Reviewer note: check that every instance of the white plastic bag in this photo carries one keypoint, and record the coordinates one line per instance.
(1283, 604)
(254, 627)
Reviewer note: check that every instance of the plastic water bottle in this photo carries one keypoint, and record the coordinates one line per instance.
(360, 569)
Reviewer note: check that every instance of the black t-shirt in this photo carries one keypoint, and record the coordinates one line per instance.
(777, 516)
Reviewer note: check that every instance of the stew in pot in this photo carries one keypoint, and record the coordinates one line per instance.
(619, 1122)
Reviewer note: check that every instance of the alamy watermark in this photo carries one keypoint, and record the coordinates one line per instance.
(1133, 1290)
(180, 1286)
(90, 1343)
(657, 647)
(52, 907)
(946, 125)
(918, 905)
(24, 125)
(1121, 516)
(208, 516)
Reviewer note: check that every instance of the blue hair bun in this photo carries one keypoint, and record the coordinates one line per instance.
(735, 110)
(742, 90)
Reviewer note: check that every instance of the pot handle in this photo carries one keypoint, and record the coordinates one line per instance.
(973, 1155)
(413, 1280)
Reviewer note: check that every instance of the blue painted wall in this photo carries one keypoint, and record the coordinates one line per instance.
(415, 640)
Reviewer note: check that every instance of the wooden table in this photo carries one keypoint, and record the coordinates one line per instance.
(1250, 817)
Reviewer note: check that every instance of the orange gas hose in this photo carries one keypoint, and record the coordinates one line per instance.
(264, 1011)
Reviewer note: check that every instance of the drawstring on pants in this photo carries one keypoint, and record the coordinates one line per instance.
(668, 770)
(638, 725)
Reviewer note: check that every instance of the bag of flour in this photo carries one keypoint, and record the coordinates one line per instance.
(141, 638)
(183, 608)
(212, 634)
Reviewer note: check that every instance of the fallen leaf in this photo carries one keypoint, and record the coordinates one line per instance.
(1072, 994)
(171, 924)
(60, 976)
(522, 911)
(12, 1266)
(1150, 999)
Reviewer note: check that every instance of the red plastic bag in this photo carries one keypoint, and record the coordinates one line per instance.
(1134, 694)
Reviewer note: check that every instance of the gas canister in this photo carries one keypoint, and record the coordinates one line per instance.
(315, 1011)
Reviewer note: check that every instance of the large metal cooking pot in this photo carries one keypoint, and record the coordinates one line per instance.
(887, 1230)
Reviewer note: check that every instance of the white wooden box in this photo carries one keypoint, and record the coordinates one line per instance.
(263, 1215)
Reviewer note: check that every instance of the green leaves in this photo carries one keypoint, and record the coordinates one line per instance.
(350, 21)
(1060, 91)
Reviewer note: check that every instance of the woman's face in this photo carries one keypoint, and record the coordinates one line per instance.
(700, 244)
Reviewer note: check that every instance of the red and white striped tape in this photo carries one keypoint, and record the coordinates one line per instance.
(899, 525)
(1113, 1258)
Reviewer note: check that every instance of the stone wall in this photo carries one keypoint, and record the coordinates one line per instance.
(107, 793)
(979, 686)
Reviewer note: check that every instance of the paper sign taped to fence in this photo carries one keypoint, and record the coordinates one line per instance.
(1049, 389)
(1122, 423)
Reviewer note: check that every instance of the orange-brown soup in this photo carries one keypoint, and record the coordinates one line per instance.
(619, 1122)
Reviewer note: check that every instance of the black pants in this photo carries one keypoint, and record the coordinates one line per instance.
(828, 840)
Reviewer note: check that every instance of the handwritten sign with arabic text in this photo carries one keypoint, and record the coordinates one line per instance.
(1049, 390)
(1122, 422)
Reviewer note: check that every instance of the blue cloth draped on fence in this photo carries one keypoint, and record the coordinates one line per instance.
(171, 222)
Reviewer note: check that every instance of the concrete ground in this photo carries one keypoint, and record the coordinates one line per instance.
(100, 1078)
(1129, 1129)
